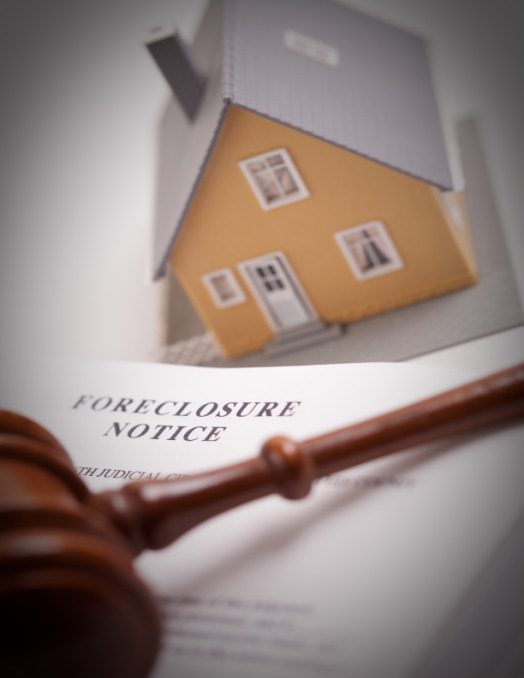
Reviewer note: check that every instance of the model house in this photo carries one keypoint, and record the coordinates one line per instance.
(313, 185)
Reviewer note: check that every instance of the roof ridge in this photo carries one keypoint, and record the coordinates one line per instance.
(228, 61)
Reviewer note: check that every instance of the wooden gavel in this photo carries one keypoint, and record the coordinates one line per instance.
(71, 603)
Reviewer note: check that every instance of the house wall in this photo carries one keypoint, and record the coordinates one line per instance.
(225, 225)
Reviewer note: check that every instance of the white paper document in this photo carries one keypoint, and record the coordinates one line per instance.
(362, 578)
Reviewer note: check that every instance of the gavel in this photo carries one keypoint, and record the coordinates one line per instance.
(71, 603)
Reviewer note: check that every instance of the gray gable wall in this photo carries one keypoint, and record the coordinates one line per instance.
(378, 101)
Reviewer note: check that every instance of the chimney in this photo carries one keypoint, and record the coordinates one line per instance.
(173, 58)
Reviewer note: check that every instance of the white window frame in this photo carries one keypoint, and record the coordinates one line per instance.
(300, 194)
(395, 263)
(231, 280)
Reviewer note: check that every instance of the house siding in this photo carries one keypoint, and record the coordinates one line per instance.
(225, 225)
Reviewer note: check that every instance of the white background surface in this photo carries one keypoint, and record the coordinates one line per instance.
(81, 101)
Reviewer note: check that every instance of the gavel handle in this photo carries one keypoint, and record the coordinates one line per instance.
(153, 514)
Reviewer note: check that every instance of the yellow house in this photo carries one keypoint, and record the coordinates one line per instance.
(314, 187)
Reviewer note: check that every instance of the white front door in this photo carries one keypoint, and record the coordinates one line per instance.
(278, 291)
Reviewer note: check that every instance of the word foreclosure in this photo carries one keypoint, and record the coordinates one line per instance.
(167, 410)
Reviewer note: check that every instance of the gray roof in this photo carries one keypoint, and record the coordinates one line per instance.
(378, 101)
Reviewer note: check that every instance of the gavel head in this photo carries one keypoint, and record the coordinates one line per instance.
(71, 604)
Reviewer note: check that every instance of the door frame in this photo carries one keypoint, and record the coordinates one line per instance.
(294, 283)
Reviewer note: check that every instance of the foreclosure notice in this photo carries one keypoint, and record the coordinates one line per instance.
(361, 578)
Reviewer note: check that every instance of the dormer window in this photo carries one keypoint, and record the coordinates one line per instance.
(311, 48)
(369, 250)
(274, 179)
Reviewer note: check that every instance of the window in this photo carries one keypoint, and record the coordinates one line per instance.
(223, 288)
(274, 179)
(369, 250)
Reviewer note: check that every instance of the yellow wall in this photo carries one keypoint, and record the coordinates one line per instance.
(225, 225)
